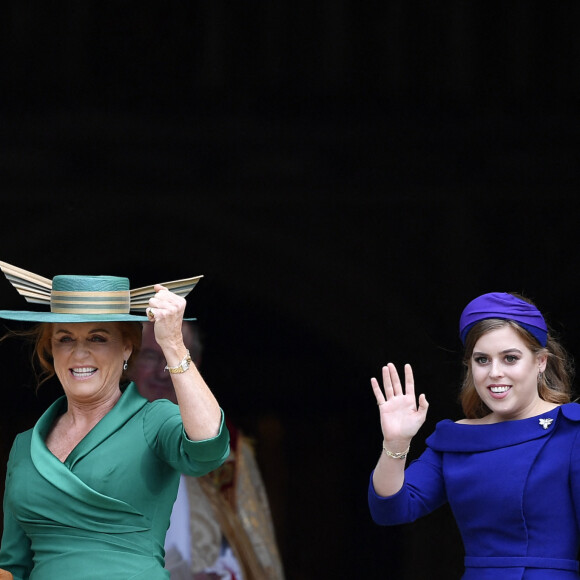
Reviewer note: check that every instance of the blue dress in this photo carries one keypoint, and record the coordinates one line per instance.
(513, 488)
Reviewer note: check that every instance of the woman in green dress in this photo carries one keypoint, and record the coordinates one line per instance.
(89, 489)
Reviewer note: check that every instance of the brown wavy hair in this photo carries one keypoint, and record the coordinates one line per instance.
(554, 384)
(40, 336)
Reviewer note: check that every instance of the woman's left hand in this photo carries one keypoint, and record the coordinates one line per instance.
(166, 311)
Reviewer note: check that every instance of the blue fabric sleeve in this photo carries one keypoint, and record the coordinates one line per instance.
(575, 476)
(163, 429)
(423, 491)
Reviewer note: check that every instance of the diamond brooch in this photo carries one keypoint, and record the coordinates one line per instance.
(545, 423)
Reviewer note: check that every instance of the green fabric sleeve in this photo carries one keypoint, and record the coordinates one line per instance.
(163, 429)
(15, 552)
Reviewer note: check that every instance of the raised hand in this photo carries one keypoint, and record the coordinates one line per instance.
(401, 418)
(200, 411)
(166, 311)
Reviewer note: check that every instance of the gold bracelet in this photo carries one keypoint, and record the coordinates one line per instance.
(181, 367)
(400, 455)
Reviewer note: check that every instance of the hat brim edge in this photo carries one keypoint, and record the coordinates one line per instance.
(27, 316)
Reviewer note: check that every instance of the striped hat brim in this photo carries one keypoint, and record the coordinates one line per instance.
(84, 298)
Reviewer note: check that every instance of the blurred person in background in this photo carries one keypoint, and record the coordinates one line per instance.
(221, 525)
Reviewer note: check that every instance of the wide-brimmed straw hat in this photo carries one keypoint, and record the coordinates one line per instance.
(84, 298)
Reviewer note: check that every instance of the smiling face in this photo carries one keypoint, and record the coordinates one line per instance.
(88, 359)
(505, 375)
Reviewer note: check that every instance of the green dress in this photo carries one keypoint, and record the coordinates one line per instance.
(104, 512)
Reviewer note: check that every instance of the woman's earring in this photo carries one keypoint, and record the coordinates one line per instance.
(125, 365)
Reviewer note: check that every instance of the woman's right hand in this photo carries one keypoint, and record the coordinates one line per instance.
(401, 418)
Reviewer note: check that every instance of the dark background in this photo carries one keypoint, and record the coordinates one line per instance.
(346, 177)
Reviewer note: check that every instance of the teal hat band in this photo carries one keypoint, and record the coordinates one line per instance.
(90, 295)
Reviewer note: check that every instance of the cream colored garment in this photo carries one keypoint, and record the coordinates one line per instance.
(249, 524)
(206, 535)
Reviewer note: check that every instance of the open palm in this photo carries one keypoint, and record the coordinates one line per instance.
(401, 417)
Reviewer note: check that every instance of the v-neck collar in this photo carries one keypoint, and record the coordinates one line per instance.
(128, 404)
(114, 515)
(60, 473)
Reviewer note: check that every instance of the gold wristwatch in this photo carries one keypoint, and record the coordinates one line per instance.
(182, 366)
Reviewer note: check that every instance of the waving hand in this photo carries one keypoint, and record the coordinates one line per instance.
(401, 418)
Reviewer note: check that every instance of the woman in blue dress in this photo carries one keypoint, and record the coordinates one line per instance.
(510, 470)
